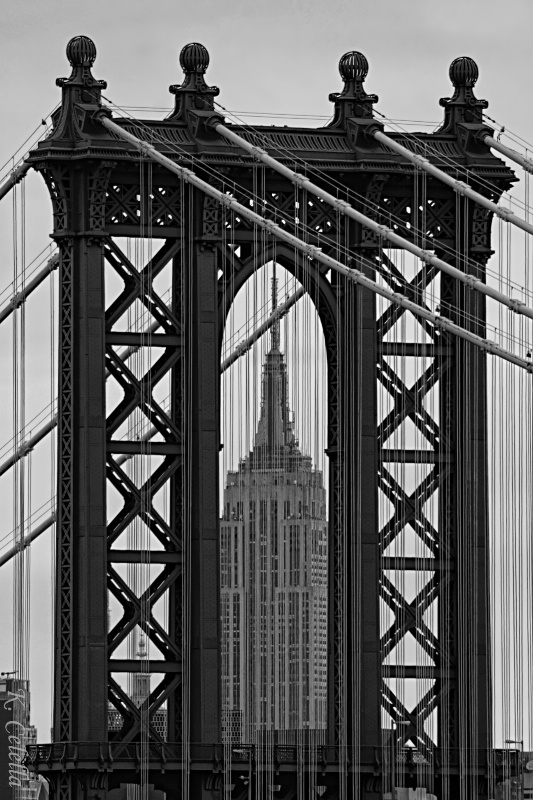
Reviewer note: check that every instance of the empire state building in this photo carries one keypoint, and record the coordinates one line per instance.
(274, 577)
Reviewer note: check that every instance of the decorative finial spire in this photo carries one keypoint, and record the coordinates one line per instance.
(193, 93)
(353, 101)
(194, 57)
(353, 66)
(81, 94)
(274, 340)
(464, 105)
(81, 53)
(464, 72)
(274, 438)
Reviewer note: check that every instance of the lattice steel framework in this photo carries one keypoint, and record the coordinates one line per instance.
(99, 193)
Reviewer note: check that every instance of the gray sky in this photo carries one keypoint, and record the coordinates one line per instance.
(276, 56)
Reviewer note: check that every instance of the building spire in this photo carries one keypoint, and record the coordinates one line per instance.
(141, 680)
(274, 438)
(141, 653)
(274, 335)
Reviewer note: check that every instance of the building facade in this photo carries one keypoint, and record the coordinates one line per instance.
(274, 577)
(519, 783)
(16, 733)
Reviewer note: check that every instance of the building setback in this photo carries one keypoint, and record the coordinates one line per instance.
(274, 577)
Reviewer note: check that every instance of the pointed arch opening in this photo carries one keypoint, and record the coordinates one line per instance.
(274, 511)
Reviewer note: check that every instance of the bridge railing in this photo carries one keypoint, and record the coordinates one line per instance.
(169, 755)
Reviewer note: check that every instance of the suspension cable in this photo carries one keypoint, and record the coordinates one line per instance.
(447, 160)
(460, 187)
(41, 257)
(13, 158)
(28, 539)
(276, 315)
(313, 252)
(253, 196)
(327, 178)
(386, 233)
(513, 304)
(22, 167)
(526, 163)
(331, 181)
(20, 297)
(15, 177)
(28, 445)
(239, 350)
(514, 137)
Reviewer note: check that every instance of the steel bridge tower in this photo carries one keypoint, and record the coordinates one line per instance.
(97, 184)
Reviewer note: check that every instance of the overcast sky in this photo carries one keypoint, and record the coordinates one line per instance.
(269, 55)
(277, 56)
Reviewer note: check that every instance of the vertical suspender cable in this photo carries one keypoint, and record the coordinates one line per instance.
(21, 583)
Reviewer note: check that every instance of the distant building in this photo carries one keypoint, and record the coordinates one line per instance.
(273, 549)
(16, 733)
(140, 691)
(519, 785)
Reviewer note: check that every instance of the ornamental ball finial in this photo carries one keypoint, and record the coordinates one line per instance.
(81, 51)
(194, 58)
(353, 66)
(464, 72)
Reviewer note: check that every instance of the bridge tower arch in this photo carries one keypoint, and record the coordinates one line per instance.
(103, 193)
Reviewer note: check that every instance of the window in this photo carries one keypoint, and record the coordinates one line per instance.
(236, 558)
(294, 555)
(262, 518)
(224, 557)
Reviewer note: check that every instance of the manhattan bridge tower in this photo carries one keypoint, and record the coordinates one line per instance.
(164, 209)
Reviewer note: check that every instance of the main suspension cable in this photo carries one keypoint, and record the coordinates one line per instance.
(328, 179)
(352, 194)
(515, 302)
(20, 297)
(428, 148)
(460, 187)
(386, 233)
(313, 252)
